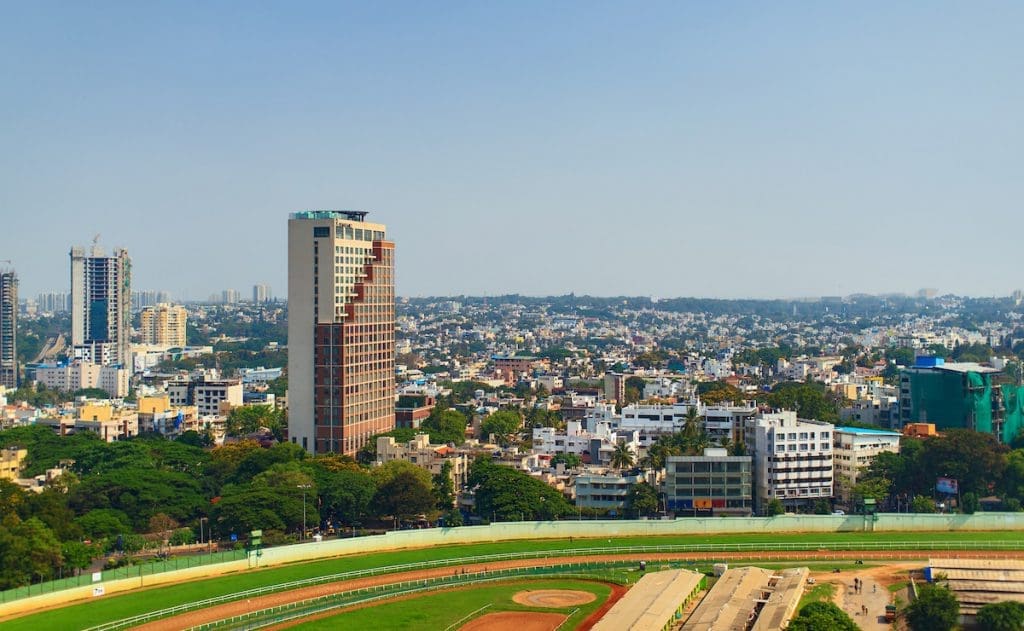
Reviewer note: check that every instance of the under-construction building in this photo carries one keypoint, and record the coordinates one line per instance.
(960, 395)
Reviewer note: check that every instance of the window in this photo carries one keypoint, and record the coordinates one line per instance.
(321, 232)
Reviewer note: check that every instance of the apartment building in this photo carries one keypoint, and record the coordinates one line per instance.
(212, 397)
(713, 484)
(163, 325)
(8, 329)
(854, 448)
(421, 453)
(82, 375)
(101, 302)
(793, 459)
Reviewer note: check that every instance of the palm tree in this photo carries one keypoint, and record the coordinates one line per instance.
(622, 457)
(690, 422)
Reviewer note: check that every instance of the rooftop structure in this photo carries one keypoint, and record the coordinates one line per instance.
(750, 598)
(653, 602)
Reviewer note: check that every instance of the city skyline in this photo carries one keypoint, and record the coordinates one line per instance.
(752, 151)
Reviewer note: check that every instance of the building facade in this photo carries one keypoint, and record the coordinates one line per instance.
(714, 484)
(163, 325)
(341, 330)
(261, 293)
(212, 397)
(101, 302)
(856, 447)
(82, 375)
(8, 329)
(793, 459)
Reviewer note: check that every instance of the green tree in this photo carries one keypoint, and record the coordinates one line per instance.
(404, 496)
(922, 504)
(29, 551)
(104, 523)
(445, 426)
(345, 495)
(501, 424)
(444, 487)
(622, 457)
(774, 507)
(505, 494)
(76, 556)
(1004, 616)
(570, 460)
(642, 498)
(822, 616)
(249, 419)
(935, 609)
(969, 503)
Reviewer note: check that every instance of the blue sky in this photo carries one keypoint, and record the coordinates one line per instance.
(657, 148)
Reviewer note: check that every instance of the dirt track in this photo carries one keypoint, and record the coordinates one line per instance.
(238, 607)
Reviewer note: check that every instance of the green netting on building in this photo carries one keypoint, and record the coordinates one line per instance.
(952, 399)
(1013, 415)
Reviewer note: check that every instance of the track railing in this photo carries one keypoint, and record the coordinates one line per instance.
(699, 548)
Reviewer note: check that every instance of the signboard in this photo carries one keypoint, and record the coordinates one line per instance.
(702, 504)
(947, 485)
(98, 591)
(97, 577)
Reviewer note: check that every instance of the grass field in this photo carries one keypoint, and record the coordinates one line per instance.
(436, 612)
(819, 593)
(113, 608)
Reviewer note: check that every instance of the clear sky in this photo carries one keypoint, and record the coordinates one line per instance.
(645, 148)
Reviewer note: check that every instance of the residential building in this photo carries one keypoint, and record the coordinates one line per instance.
(8, 329)
(52, 302)
(713, 484)
(605, 490)
(230, 296)
(260, 374)
(164, 325)
(81, 375)
(615, 387)
(12, 459)
(793, 459)
(261, 294)
(341, 330)
(412, 409)
(156, 414)
(211, 396)
(421, 453)
(854, 448)
(101, 300)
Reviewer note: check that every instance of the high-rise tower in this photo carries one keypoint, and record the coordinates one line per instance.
(101, 305)
(341, 330)
(8, 329)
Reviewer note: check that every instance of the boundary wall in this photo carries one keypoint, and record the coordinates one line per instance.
(511, 531)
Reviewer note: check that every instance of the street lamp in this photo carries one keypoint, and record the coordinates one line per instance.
(303, 487)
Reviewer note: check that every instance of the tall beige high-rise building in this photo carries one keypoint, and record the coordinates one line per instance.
(163, 325)
(341, 330)
(261, 293)
(101, 305)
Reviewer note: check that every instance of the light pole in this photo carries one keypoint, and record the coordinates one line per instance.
(303, 487)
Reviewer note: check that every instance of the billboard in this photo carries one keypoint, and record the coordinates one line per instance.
(947, 485)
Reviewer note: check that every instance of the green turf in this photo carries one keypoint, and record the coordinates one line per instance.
(819, 593)
(112, 608)
(435, 612)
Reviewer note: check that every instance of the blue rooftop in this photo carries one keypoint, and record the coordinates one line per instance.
(866, 430)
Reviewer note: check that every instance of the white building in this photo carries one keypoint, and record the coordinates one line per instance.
(421, 453)
(793, 459)
(79, 375)
(856, 447)
(211, 397)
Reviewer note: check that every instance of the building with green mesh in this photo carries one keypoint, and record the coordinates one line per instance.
(960, 395)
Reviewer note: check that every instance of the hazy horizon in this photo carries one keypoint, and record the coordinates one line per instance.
(667, 149)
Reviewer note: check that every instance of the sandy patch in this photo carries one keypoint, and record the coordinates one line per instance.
(515, 621)
(554, 598)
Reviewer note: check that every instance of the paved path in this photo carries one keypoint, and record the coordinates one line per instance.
(873, 595)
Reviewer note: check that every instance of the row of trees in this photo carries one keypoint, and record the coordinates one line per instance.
(112, 494)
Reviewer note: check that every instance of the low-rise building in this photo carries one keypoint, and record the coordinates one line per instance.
(210, 396)
(854, 448)
(421, 453)
(12, 459)
(709, 485)
(412, 409)
(81, 375)
(606, 490)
